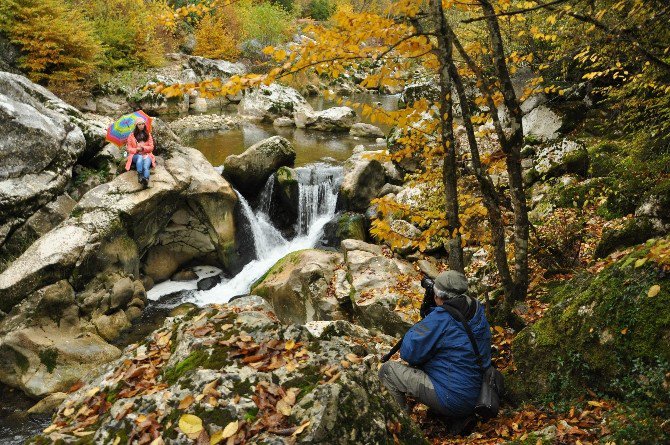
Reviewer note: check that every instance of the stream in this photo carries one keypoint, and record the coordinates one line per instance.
(319, 156)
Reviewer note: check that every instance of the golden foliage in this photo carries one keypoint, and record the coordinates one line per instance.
(217, 34)
(58, 44)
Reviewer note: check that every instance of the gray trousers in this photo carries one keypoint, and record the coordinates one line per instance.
(402, 380)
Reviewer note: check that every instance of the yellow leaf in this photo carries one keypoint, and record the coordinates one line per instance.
(190, 425)
(290, 345)
(640, 262)
(186, 402)
(283, 408)
(653, 290)
(624, 331)
(301, 428)
(225, 433)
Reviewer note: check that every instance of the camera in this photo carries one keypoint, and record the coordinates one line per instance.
(428, 297)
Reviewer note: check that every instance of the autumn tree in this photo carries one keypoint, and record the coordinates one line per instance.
(59, 46)
(388, 47)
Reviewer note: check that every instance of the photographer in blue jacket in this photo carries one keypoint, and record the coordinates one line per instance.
(443, 372)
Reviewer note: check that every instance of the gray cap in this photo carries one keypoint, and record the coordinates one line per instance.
(450, 284)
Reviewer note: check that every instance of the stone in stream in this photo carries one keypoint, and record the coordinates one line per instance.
(363, 179)
(364, 130)
(360, 284)
(269, 102)
(250, 170)
(328, 371)
(332, 119)
(209, 282)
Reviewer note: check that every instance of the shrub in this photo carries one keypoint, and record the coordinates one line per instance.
(320, 9)
(264, 22)
(58, 43)
(218, 34)
(130, 31)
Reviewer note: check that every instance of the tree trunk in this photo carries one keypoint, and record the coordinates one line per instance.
(447, 139)
(490, 195)
(512, 148)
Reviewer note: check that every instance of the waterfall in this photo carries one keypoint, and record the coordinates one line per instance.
(265, 199)
(317, 194)
(265, 236)
(318, 186)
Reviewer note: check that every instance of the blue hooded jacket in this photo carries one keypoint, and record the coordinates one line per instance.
(440, 347)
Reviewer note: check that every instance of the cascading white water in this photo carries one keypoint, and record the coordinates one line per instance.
(317, 194)
(318, 186)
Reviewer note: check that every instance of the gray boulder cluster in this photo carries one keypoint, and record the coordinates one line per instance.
(234, 371)
(77, 271)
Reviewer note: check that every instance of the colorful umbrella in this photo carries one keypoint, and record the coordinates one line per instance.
(118, 132)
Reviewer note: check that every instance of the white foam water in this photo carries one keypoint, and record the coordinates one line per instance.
(318, 187)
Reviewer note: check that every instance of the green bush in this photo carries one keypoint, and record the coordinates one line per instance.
(265, 23)
(320, 9)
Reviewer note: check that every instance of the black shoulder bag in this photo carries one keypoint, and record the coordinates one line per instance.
(493, 385)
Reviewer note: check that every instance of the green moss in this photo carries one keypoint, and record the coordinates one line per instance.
(293, 257)
(242, 387)
(250, 415)
(214, 416)
(48, 358)
(600, 329)
(215, 359)
(307, 381)
(21, 360)
(635, 231)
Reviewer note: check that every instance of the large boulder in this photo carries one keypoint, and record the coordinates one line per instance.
(248, 171)
(269, 102)
(364, 178)
(608, 332)
(300, 287)
(41, 138)
(99, 250)
(411, 93)
(44, 345)
(560, 158)
(331, 119)
(212, 68)
(362, 284)
(235, 368)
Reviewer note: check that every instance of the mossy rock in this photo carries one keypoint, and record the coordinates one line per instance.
(601, 331)
(635, 231)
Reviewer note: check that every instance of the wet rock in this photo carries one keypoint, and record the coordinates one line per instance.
(250, 170)
(364, 130)
(332, 119)
(49, 404)
(269, 102)
(209, 282)
(347, 404)
(185, 275)
(363, 179)
(343, 226)
(283, 122)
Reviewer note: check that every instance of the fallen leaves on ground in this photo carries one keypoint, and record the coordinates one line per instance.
(582, 424)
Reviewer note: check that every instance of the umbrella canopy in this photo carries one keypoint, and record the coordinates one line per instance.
(118, 132)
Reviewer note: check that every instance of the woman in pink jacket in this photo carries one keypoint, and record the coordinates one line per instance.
(140, 146)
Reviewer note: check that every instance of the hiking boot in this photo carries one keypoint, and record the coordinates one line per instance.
(139, 178)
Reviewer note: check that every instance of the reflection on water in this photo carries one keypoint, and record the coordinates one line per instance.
(310, 146)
